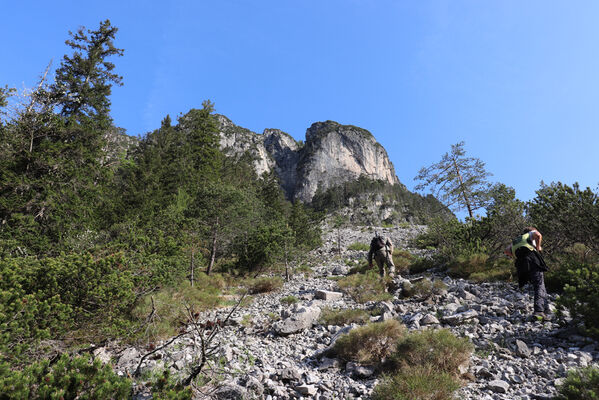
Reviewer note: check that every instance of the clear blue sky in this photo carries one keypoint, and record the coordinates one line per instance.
(516, 80)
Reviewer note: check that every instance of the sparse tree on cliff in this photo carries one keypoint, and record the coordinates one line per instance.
(458, 181)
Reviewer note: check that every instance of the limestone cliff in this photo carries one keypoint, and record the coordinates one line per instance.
(336, 153)
(333, 154)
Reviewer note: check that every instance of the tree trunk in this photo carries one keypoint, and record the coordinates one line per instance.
(192, 267)
(286, 264)
(213, 247)
(466, 201)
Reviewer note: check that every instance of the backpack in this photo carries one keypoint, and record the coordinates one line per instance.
(377, 243)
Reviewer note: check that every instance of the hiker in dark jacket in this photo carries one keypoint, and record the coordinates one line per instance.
(382, 251)
(530, 266)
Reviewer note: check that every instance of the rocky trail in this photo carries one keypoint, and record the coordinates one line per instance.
(269, 350)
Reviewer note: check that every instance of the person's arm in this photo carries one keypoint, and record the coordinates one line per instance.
(390, 246)
(508, 251)
(538, 238)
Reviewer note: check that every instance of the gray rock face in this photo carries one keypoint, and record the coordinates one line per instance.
(333, 154)
(336, 153)
(285, 152)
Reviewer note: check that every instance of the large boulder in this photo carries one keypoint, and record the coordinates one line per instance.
(302, 319)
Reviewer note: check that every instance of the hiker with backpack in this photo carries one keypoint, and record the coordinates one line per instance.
(531, 266)
(382, 251)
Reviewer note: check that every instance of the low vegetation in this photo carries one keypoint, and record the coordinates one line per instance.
(358, 246)
(424, 288)
(264, 284)
(582, 384)
(288, 300)
(370, 344)
(416, 383)
(66, 378)
(364, 287)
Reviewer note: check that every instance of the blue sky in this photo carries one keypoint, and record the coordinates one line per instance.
(517, 81)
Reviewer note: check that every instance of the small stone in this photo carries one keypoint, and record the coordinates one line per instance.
(499, 386)
(307, 390)
(429, 319)
(328, 363)
(289, 374)
(328, 295)
(102, 355)
(522, 349)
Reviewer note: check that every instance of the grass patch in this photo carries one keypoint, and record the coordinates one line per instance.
(402, 260)
(425, 288)
(288, 300)
(345, 316)
(304, 269)
(371, 343)
(479, 268)
(416, 383)
(424, 366)
(361, 268)
(264, 284)
(438, 349)
(364, 287)
(170, 303)
(358, 246)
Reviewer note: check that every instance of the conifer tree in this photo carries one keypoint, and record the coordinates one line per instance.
(85, 78)
(458, 181)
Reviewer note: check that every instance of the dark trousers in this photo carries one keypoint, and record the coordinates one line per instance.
(537, 279)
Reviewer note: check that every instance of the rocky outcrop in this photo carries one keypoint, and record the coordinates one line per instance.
(336, 153)
(333, 154)
(236, 141)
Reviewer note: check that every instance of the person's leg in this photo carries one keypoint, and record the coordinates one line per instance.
(540, 294)
(380, 261)
(390, 264)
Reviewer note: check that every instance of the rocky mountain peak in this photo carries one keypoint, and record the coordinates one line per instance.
(336, 153)
(333, 154)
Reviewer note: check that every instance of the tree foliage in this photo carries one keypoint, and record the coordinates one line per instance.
(458, 181)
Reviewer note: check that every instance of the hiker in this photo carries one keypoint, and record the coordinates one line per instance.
(382, 250)
(530, 266)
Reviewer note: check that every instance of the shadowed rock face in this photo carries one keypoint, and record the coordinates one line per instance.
(333, 154)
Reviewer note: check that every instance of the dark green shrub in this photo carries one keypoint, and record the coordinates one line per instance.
(580, 296)
(365, 287)
(416, 383)
(421, 264)
(582, 384)
(67, 378)
(344, 316)
(560, 265)
(371, 343)
(43, 298)
(437, 349)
